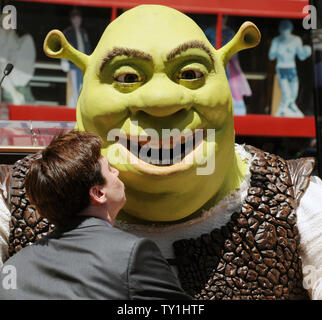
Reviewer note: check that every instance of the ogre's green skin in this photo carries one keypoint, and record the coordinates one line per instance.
(161, 97)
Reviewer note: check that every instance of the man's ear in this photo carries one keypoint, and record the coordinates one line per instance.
(97, 194)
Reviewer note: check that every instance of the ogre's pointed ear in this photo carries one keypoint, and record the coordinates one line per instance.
(248, 36)
(56, 46)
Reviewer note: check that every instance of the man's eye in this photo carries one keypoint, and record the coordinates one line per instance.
(190, 75)
(128, 78)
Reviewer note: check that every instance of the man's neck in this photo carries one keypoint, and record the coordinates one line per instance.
(97, 212)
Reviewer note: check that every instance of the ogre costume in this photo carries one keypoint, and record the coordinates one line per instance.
(245, 228)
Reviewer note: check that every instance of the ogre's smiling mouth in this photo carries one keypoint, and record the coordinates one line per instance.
(169, 155)
(167, 151)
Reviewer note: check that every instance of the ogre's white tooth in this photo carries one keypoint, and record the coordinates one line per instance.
(199, 135)
(120, 135)
(143, 140)
(133, 138)
(176, 140)
(187, 136)
(121, 138)
(166, 143)
(155, 143)
(177, 158)
(165, 156)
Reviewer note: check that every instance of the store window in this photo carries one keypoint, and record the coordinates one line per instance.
(264, 81)
(37, 79)
(275, 78)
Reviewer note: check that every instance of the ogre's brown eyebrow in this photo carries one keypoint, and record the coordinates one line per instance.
(188, 45)
(118, 51)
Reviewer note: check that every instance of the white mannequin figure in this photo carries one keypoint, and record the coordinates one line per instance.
(21, 52)
(284, 49)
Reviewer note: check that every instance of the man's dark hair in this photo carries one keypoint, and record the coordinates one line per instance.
(58, 183)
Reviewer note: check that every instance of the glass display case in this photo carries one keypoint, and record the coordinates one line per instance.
(19, 138)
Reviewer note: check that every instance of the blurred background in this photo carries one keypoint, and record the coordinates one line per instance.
(40, 90)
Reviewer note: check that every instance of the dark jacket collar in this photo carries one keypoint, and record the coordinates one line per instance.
(80, 222)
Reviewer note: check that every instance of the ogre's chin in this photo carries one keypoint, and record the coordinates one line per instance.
(158, 213)
(169, 207)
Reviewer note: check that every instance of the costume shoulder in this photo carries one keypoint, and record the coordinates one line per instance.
(308, 197)
(300, 171)
(309, 221)
(5, 173)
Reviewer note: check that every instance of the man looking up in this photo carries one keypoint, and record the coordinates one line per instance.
(73, 186)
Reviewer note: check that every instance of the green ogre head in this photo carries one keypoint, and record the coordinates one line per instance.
(154, 69)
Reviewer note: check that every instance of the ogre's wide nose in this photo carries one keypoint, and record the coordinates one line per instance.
(162, 97)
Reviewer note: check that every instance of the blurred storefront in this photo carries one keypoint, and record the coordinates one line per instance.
(253, 76)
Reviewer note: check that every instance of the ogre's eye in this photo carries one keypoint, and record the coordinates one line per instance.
(190, 74)
(128, 78)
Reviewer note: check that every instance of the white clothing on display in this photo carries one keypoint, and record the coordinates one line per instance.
(21, 52)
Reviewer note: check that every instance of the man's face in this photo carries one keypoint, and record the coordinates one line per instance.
(76, 21)
(113, 188)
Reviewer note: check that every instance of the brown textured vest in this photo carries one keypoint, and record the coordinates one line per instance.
(254, 256)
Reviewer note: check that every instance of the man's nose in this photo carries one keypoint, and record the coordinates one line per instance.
(162, 97)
